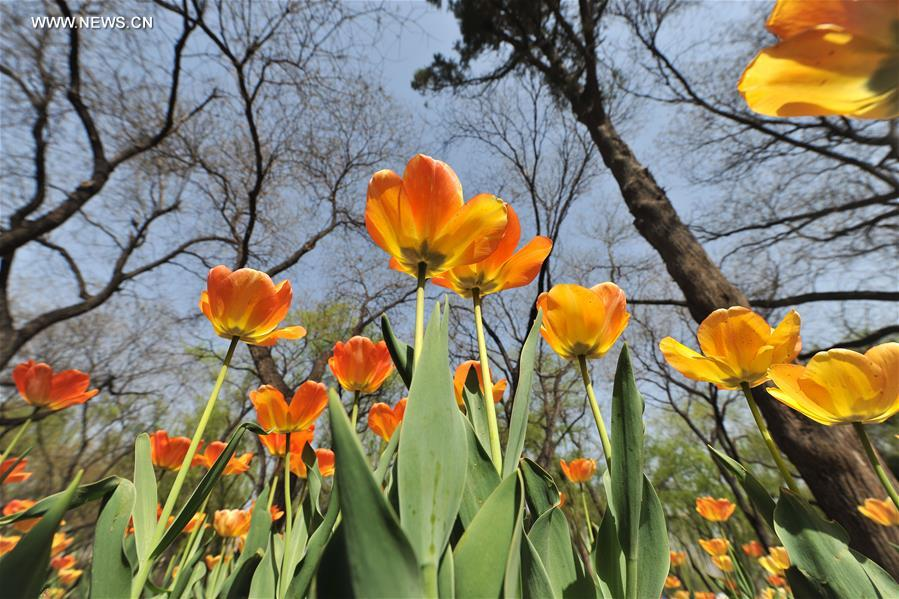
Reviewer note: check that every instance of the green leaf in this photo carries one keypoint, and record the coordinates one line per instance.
(535, 580)
(879, 577)
(401, 354)
(145, 497)
(381, 559)
(24, 569)
(312, 509)
(480, 480)
(265, 577)
(110, 570)
(432, 454)
(190, 574)
(541, 491)
(757, 493)
(518, 421)
(551, 539)
(512, 576)
(474, 408)
(446, 576)
(387, 455)
(627, 450)
(819, 548)
(204, 488)
(480, 555)
(333, 578)
(240, 579)
(83, 494)
(299, 586)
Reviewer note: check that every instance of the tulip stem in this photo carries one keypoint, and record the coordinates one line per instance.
(587, 514)
(419, 313)
(355, 413)
(769, 441)
(875, 462)
(22, 428)
(429, 573)
(143, 571)
(288, 514)
(597, 415)
(489, 407)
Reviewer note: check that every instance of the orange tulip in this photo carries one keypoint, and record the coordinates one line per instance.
(195, 520)
(776, 581)
(578, 321)
(738, 346)
(276, 512)
(421, 218)
(236, 464)
(840, 386)
(69, 576)
(753, 549)
(715, 547)
(715, 510)
(62, 562)
(677, 558)
(248, 305)
(231, 523)
(579, 470)
(20, 505)
(833, 57)
(168, 452)
(7, 543)
(682, 594)
(704, 595)
(212, 561)
(360, 364)
(276, 415)
(499, 387)
(883, 512)
(276, 443)
(324, 458)
(40, 387)
(776, 562)
(672, 582)
(504, 268)
(61, 542)
(17, 474)
(383, 420)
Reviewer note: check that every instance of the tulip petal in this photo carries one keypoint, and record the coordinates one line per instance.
(506, 247)
(785, 339)
(387, 219)
(874, 18)
(470, 236)
(523, 266)
(294, 332)
(433, 193)
(695, 366)
(886, 355)
(734, 336)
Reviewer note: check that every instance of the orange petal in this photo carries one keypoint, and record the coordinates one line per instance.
(694, 365)
(886, 355)
(470, 236)
(307, 404)
(525, 264)
(433, 193)
(873, 18)
(387, 220)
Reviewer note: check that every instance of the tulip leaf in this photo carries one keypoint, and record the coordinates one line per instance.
(512, 576)
(551, 539)
(312, 510)
(880, 578)
(83, 494)
(204, 488)
(535, 581)
(299, 586)
(608, 559)
(333, 577)
(432, 457)
(381, 559)
(241, 577)
(541, 492)
(145, 497)
(480, 555)
(446, 576)
(518, 421)
(401, 353)
(265, 577)
(24, 569)
(757, 493)
(474, 407)
(481, 479)
(188, 576)
(256, 539)
(819, 548)
(110, 570)
(387, 455)
(627, 466)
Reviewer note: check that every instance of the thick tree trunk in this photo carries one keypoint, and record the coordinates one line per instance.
(829, 459)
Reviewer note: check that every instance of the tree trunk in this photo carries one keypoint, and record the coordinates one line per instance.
(829, 459)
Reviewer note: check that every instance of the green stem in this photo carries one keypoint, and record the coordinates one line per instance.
(875, 462)
(143, 571)
(22, 428)
(587, 514)
(419, 313)
(769, 441)
(355, 413)
(288, 514)
(429, 573)
(597, 415)
(489, 406)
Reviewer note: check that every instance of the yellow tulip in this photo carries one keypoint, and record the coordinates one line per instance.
(840, 386)
(776, 562)
(883, 512)
(737, 345)
(715, 547)
(833, 57)
(578, 321)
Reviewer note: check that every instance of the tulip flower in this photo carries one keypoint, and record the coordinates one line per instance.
(69, 576)
(212, 561)
(276, 415)
(167, 452)
(581, 323)
(384, 420)
(579, 470)
(841, 386)
(461, 375)
(775, 580)
(677, 558)
(715, 547)
(738, 347)
(236, 464)
(20, 505)
(714, 510)
(324, 458)
(231, 523)
(360, 365)
(195, 521)
(62, 562)
(61, 542)
(776, 562)
(39, 386)
(753, 549)
(504, 268)
(672, 582)
(8, 543)
(276, 443)
(17, 474)
(832, 58)
(723, 563)
(704, 595)
(276, 512)
(884, 512)
(246, 304)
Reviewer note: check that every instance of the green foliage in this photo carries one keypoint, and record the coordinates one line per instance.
(110, 569)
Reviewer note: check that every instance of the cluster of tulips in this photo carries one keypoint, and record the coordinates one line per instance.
(448, 509)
